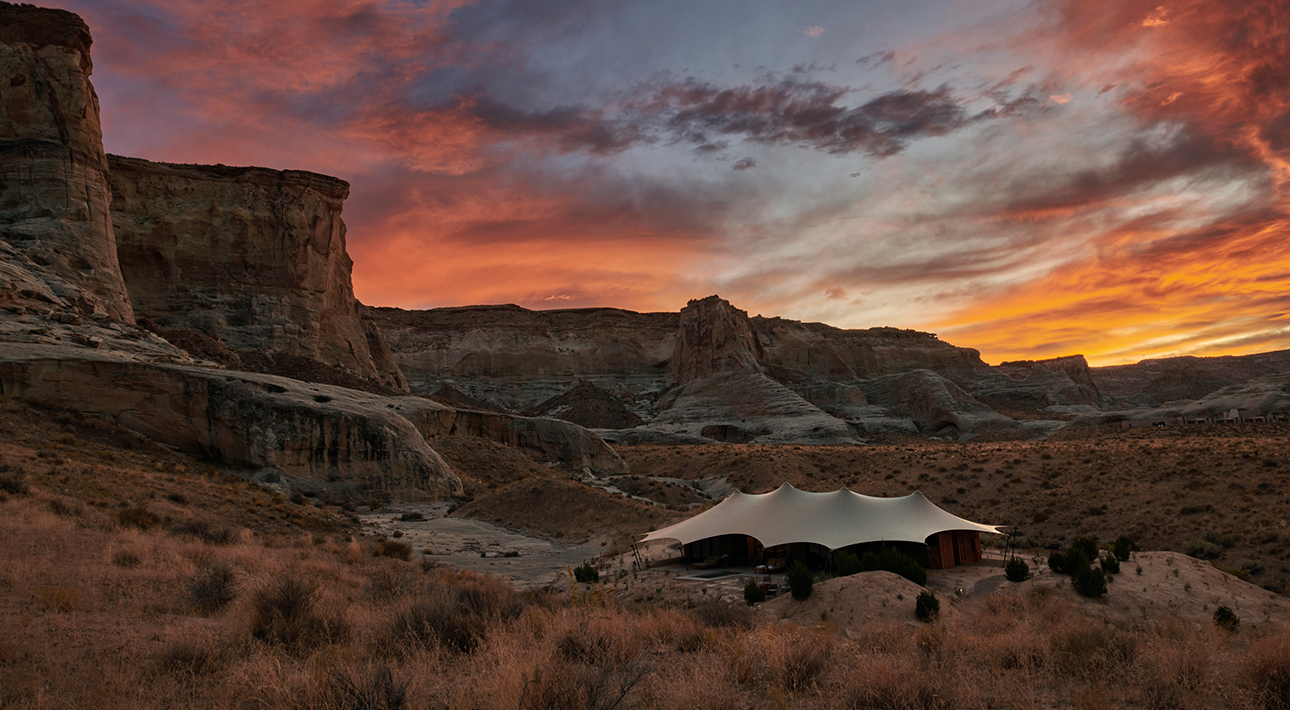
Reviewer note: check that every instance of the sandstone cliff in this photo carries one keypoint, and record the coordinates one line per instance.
(57, 245)
(251, 256)
(315, 432)
(708, 372)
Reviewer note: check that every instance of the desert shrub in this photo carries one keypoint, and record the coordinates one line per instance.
(375, 690)
(1089, 582)
(61, 599)
(1110, 564)
(586, 573)
(888, 686)
(895, 561)
(847, 563)
(1016, 570)
(1086, 545)
(66, 509)
(126, 558)
(716, 614)
(1090, 650)
(1203, 550)
(571, 684)
(284, 612)
(753, 593)
(13, 484)
(800, 580)
(212, 589)
(1123, 547)
(1267, 666)
(190, 658)
(427, 622)
(205, 532)
(412, 515)
(394, 549)
(457, 616)
(1225, 618)
(137, 516)
(802, 662)
(927, 607)
(1057, 562)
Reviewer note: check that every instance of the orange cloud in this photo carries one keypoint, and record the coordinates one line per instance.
(1159, 280)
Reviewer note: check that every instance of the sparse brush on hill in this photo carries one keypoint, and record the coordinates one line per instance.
(800, 580)
(927, 607)
(1077, 561)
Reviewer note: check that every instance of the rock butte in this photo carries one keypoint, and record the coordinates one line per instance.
(235, 263)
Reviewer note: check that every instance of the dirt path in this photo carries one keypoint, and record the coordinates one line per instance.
(466, 543)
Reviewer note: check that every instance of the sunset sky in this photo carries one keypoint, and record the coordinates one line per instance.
(1030, 179)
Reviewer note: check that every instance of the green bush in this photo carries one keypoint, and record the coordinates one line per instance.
(847, 564)
(1086, 545)
(1225, 618)
(800, 580)
(927, 606)
(1057, 562)
(753, 593)
(895, 561)
(1016, 570)
(1089, 582)
(13, 484)
(1110, 564)
(1122, 547)
(586, 573)
(137, 517)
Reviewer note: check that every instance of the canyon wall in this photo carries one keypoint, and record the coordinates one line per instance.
(57, 246)
(251, 256)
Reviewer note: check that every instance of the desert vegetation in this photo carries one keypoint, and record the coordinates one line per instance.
(136, 577)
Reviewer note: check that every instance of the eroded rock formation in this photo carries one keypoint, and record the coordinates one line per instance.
(57, 246)
(709, 372)
(252, 256)
(312, 431)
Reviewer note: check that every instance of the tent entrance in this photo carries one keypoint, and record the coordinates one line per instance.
(953, 547)
(728, 549)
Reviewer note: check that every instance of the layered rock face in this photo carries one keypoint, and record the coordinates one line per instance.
(519, 358)
(315, 432)
(252, 256)
(57, 245)
(706, 373)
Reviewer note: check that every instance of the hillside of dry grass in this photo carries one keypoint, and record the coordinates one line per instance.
(134, 577)
(1217, 493)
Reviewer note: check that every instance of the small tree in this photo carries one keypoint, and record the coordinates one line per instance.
(847, 563)
(1110, 564)
(1016, 570)
(927, 606)
(753, 593)
(800, 580)
(1225, 618)
(586, 573)
(1089, 582)
(1122, 547)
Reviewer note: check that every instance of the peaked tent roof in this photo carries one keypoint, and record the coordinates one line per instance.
(833, 520)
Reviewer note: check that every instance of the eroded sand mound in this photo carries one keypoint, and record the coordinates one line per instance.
(850, 603)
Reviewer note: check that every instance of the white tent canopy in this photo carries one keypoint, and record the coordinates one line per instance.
(834, 520)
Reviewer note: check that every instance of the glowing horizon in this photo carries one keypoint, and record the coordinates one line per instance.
(1029, 179)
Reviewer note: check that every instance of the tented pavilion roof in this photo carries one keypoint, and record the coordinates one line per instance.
(834, 520)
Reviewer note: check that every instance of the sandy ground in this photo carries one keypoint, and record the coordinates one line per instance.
(466, 543)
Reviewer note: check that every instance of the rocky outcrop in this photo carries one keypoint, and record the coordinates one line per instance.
(315, 432)
(589, 406)
(251, 256)
(709, 372)
(57, 246)
(518, 358)
(934, 403)
(1258, 397)
(1161, 379)
(549, 440)
(1062, 382)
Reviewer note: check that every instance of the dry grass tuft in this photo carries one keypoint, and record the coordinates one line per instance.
(285, 613)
